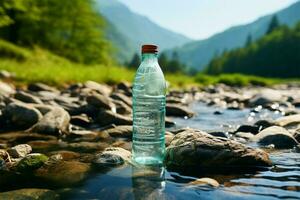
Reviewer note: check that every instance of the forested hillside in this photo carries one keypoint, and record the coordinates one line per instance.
(277, 54)
(71, 29)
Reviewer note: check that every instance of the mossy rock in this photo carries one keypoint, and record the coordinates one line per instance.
(31, 162)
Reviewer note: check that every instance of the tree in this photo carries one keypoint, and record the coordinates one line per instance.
(163, 61)
(135, 61)
(248, 40)
(274, 24)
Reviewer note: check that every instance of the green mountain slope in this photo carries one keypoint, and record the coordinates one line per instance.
(198, 54)
(137, 28)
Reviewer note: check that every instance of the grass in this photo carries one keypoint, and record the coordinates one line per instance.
(39, 65)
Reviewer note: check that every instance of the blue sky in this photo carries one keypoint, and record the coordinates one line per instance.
(200, 19)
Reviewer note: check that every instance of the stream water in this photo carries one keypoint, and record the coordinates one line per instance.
(282, 181)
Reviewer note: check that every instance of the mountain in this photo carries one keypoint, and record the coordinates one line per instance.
(197, 54)
(137, 29)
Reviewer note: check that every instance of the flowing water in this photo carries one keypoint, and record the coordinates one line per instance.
(281, 181)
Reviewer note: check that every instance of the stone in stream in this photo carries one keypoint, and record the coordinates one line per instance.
(37, 87)
(53, 123)
(204, 181)
(29, 194)
(288, 121)
(81, 120)
(106, 117)
(63, 173)
(31, 162)
(248, 129)
(27, 98)
(244, 135)
(178, 110)
(122, 108)
(219, 134)
(169, 122)
(112, 156)
(21, 115)
(297, 135)
(101, 101)
(120, 131)
(277, 136)
(266, 97)
(262, 124)
(195, 149)
(20, 151)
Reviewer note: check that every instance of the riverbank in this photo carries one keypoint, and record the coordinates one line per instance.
(55, 138)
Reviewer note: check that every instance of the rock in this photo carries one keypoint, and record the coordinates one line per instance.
(20, 150)
(218, 134)
(30, 194)
(27, 98)
(262, 124)
(102, 89)
(63, 173)
(288, 121)
(168, 138)
(87, 147)
(82, 134)
(244, 135)
(169, 122)
(122, 97)
(6, 89)
(112, 156)
(205, 181)
(276, 135)
(266, 97)
(178, 110)
(3, 154)
(248, 129)
(67, 155)
(217, 112)
(31, 162)
(54, 122)
(21, 115)
(122, 108)
(101, 101)
(37, 87)
(197, 149)
(120, 131)
(106, 117)
(125, 87)
(42, 108)
(81, 120)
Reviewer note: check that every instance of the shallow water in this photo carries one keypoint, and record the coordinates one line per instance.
(282, 181)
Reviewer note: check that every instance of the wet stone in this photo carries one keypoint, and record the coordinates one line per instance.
(112, 156)
(27, 98)
(31, 162)
(30, 194)
(20, 151)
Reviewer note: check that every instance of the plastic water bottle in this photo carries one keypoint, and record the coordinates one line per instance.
(149, 100)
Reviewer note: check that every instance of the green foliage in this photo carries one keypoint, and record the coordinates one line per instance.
(69, 28)
(275, 55)
(8, 50)
(31, 162)
(274, 24)
(172, 65)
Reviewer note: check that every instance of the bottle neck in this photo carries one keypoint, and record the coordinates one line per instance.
(149, 57)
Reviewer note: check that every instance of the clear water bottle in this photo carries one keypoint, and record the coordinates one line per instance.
(149, 100)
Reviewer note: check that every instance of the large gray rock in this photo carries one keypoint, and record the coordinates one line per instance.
(178, 110)
(55, 122)
(29, 194)
(197, 149)
(20, 150)
(277, 136)
(266, 97)
(106, 117)
(112, 156)
(21, 115)
(288, 121)
(27, 98)
(101, 101)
